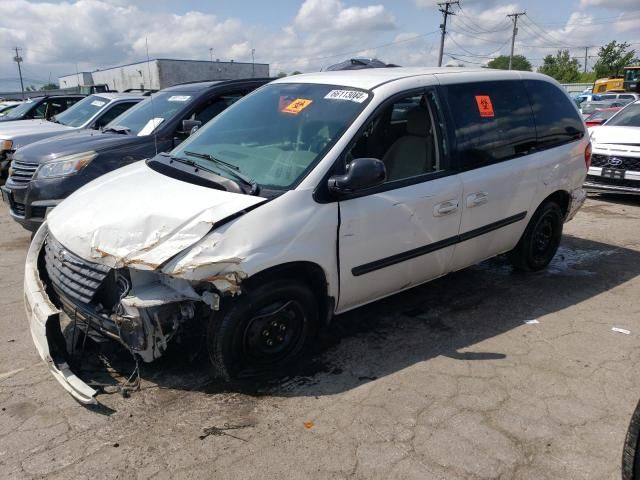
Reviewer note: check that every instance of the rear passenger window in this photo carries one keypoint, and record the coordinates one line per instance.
(492, 122)
(557, 121)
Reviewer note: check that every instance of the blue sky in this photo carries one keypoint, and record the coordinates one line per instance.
(303, 35)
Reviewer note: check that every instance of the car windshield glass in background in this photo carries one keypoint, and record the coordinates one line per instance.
(628, 117)
(602, 114)
(82, 111)
(145, 117)
(23, 108)
(276, 134)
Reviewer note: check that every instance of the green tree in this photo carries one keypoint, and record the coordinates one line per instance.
(30, 88)
(613, 57)
(519, 62)
(587, 77)
(50, 86)
(296, 73)
(281, 74)
(561, 67)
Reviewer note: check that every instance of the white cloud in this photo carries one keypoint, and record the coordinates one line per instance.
(613, 4)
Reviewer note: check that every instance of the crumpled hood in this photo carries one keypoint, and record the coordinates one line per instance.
(139, 217)
(607, 135)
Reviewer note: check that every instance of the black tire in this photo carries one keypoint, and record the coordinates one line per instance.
(265, 332)
(630, 453)
(540, 240)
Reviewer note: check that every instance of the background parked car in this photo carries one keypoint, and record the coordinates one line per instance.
(615, 163)
(626, 96)
(45, 172)
(587, 108)
(93, 112)
(585, 97)
(6, 107)
(43, 107)
(359, 64)
(600, 116)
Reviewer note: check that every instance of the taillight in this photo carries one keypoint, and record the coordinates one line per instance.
(587, 155)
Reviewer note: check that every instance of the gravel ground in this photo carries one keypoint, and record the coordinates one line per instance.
(480, 374)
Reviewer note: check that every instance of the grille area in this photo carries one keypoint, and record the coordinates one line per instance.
(18, 208)
(628, 163)
(613, 181)
(22, 172)
(70, 275)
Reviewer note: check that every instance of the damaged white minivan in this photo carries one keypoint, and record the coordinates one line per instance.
(311, 196)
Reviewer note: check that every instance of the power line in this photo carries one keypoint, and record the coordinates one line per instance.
(488, 55)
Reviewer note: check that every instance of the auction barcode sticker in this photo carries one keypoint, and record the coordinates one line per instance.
(351, 95)
(97, 103)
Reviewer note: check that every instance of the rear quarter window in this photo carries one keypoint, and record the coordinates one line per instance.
(557, 121)
(492, 122)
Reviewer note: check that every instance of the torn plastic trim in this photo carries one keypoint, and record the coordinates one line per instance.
(578, 197)
(44, 324)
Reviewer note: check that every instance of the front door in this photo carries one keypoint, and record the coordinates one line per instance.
(402, 233)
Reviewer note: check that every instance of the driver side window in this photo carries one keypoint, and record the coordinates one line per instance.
(405, 136)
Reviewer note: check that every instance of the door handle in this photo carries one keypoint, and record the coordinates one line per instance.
(445, 208)
(477, 198)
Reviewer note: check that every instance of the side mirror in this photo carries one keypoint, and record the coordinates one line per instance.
(190, 126)
(362, 173)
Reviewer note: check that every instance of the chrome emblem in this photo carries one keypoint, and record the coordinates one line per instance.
(615, 161)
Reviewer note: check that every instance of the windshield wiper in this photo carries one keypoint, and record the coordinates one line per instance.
(230, 168)
(117, 129)
(54, 119)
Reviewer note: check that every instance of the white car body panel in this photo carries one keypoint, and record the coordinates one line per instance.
(391, 223)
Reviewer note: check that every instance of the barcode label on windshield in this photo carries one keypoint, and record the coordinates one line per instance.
(351, 95)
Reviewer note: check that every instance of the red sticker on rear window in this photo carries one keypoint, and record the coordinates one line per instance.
(484, 106)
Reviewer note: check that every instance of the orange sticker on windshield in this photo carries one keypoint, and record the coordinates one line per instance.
(484, 106)
(297, 106)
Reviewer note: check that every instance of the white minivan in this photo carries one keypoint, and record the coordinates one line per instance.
(313, 195)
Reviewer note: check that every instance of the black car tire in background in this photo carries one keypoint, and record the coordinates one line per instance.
(630, 454)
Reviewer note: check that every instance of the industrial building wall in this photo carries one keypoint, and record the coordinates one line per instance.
(75, 79)
(136, 75)
(180, 71)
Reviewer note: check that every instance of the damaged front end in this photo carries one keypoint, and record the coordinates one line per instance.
(143, 310)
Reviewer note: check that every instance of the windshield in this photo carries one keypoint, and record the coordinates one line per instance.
(23, 108)
(602, 114)
(145, 117)
(276, 134)
(632, 74)
(627, 117)
(82, 111)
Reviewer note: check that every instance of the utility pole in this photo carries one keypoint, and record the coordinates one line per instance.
(211, 54)
(253, 63)
(443, 26)
(514, 17)
(586, 56)
(18, 59)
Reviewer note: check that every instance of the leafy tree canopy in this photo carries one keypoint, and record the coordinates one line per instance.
(613, 57)
(561, 66)
(519, 62)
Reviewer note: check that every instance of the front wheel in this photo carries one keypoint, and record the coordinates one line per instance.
(540, 240)
(266, 331)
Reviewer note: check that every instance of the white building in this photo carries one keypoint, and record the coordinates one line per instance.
(161, 73)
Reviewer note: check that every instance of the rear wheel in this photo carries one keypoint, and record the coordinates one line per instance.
(265, 332)
(541, 239)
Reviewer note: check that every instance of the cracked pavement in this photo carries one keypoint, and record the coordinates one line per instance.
(445, 381)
